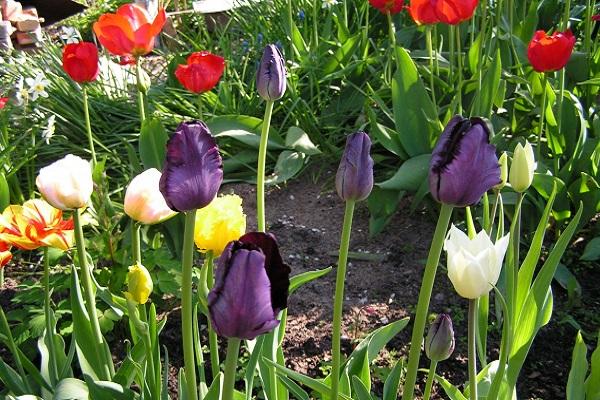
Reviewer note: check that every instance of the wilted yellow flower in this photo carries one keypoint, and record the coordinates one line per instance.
(139, 283)
(217, 224)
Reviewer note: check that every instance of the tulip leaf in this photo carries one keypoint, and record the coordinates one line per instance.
(293, 387)
(592, 250)
(289, 163)
(255, 349)
(484, 98)
(126, 372)
(244, 128)
(299, 140)
(593, 381)
(360, 391)
(410, 175)
(415, 114)
(11, 379)
(4, 193)
(451, 391)
(299, 280)
(392, 382)
(153, 143)
(71, 389)
(341, 56)
(579, 368)
(105, 390)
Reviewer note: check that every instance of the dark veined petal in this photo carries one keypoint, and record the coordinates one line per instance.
(193, 170)
(354, 178)
(439, 343)
(271, 75)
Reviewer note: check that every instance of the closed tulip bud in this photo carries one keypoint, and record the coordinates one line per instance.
(139, 283)
(193, 170)
(503, 161)
(354, 178)
(80, 61)
(251, 287)
(66, 183)
(522, 168)
(201, 73)
(463, 164)
(143, 200)
(439, 343)
(474, 264)
(271, 77)
(548, 53)
(220, 222)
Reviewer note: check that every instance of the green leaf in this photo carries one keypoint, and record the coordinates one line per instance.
(299, 140)
(153, 143)
(71, 389)
(593, 382)
(410, 175)
(451, 391)
(299, 280)
(484, 98)
(592, 250)
(341, 55)
(294, 388)
(11, 379)
(386, 136)
(214, 392)
(360, 391)
(254, 348)
(289, 163)
(414, 112)
(579, 367)
(221, 125)
(392, 382)
(104, 390)
(4, 193)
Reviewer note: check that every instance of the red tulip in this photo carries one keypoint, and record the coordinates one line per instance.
(550, 53)
(3, 101)
(385, 6)
(80, 61)
(201, 73)
(450, 12)
(129, 32)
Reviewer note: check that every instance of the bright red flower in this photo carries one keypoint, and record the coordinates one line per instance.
(596, 17)
(385, 6)
(129, 32)
(451, 12)
(126, 61)
(3, 101)
(80, 61)
(550, 53)
(5, 254)
(201, 73)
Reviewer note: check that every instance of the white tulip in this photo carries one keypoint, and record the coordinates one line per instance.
(522, 168)
(474, 264)
(66, 183)
(143, 200)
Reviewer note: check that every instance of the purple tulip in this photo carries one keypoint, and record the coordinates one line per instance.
(251, 287)
(439, 344)
(193, 171)
(270, 77)
(354, 179)
(464, 164)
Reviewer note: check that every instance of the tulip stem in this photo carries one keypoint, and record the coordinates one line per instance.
(88, 124)
(512, 272)
(424, 297)
(47, 317)
(135, 242)
(138, 75)
(199, 105)
(233, 348)
(459, 68)
(89, 293)
(430, 52)
(187, 306)
(430, 379)
(260, 174)
(14, 350)
(213, 343)
(472, 349)
(542, 117)
(339, 298)
(470, 224)
(392, 33)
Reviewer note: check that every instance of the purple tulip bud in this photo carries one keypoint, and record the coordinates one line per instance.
(251, 287)
(354, 179)
(464, 164)
(193, 171)
(270, 78)
(439, 344)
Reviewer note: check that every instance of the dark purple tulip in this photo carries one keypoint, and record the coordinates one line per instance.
(251, 287)
(439, 343)
(464, 164)
(193, 171)
(354, 179)
(270, 78)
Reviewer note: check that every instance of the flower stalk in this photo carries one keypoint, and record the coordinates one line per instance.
(430, 53)
(233, 348)
(88, 125)
(47, 317)
(430, 379)
(542, 117)
(472, 349)
(141, 104)
(187, 306)
(213, 343)
(262, 159)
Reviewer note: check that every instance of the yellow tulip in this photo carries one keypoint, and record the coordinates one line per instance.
(217, 224)
(139, 283)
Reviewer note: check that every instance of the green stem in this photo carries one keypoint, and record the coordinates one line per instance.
(233, 348)
(430, 52)
(424, 297)
(213, 342)
(88, 291)
(47, 317)
(199, 105)
(315, 20)
(493, 214)
(141, 105)
(542, 117)
(392, 34)
(459, 68)
(452, 55)
(14, 350)
(512, 272)
(487, 223)
(88, 124)
(430, 379)
(338, 307)
(187, 306)
(472, 349)
(135, 242)
(260, 174)
(561, 88)
(470, 224)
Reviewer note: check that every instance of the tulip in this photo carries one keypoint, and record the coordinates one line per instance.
(5, 254)
(66, 183)
(439, 343)
(251, 287)
(201, 73)
(271, 76)
(35, 224)
(474, 264)
(80, 61)
(143, 200)
(220, 222)
(129, 32)
(463, 164)
(451, 12)
(3, 102)
(139, 283)
(503, 161)
(388, 6)
(354, 178)
(522, 168)
(550, 53)
(193, 170)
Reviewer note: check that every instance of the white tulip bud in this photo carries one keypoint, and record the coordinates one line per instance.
(67, 183)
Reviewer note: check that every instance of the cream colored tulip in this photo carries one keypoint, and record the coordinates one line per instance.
(143, 200)
(522, 168)
(67, 183)
(474, 264)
